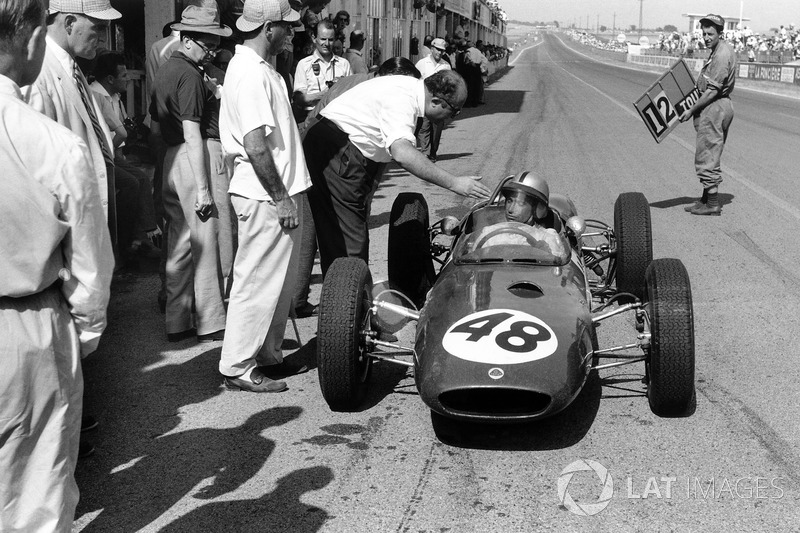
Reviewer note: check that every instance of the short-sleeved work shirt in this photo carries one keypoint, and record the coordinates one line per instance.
(719, 71)
(311, 82)
(180, 93)
(427, 66)
(255, 96)
(378, 112)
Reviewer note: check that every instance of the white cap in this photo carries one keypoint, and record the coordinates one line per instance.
(258, 12)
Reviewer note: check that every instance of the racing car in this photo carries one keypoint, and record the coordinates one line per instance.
(506, 329)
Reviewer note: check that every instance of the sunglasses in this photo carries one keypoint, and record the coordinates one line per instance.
(454, 111)
(208, 51)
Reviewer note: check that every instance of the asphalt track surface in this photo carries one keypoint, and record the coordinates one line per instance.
(177, 453)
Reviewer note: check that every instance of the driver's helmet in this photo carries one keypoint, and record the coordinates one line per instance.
(532, 185)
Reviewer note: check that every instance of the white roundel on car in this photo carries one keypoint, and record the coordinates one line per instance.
(500, 337)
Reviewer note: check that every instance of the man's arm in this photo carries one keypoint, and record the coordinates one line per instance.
(87, 248)
(412, 160)
(306, 100)
(204, 205)
(257, 149)
(708, 96)
(300, 95)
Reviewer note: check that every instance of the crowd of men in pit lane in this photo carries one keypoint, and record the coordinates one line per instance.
(233, 187)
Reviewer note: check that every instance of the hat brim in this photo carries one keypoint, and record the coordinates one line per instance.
(106, 14)
(247, 25)
(712, 22)
(222, 31)
(439, 48)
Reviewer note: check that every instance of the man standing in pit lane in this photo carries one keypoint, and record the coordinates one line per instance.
(429, 133)
(712, 113)
(316, 73)
(269, 176)
(371, 124)
(56, 264)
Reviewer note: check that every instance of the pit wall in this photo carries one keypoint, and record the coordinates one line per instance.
(751, 71)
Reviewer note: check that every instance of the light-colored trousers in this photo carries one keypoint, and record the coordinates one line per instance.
(195, 276)
(264, 278)
(41, 399)
(712, 125)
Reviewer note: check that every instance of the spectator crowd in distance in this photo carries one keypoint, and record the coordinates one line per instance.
(780, 45)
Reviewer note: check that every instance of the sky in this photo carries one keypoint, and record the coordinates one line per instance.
(763, 14)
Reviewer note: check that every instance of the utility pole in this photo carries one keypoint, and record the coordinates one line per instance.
(597, 26)
(640, 17)
(614, 25)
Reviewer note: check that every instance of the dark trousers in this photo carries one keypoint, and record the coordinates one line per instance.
(429, 133)
(339, 199)
(127, 197)
(308, 250)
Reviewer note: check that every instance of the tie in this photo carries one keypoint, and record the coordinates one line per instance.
(87, 103)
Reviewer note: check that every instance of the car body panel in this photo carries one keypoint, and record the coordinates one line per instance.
(482, 303)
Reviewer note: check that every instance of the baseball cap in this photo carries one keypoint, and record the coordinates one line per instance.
(99, 9)
(439, 43)
(716, 20)
(259, 12)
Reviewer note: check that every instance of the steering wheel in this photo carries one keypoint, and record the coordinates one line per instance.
(517, 231)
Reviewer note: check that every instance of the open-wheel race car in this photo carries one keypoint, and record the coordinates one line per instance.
(507, 328)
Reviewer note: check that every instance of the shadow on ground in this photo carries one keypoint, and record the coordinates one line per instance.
(724, 199)
(277, 511)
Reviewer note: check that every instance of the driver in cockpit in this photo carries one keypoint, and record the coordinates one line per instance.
(527, 198)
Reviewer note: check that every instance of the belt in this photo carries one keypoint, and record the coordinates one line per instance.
(56, 285)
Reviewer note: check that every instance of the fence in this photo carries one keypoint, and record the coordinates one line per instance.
(781, 57)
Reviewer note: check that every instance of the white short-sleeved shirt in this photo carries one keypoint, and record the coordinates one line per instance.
(378, 112)
(427, 66)
(255, 96)
(309, 83)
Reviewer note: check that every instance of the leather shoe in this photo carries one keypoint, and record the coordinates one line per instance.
(257, 383)
(707, 210)
(692, 207)
(85, 449)
(212, 337)
(88, 423)
(181, 335)
(286, 368)
(307, 310)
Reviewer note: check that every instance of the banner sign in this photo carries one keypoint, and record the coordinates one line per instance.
(662, 104)
(767, 72)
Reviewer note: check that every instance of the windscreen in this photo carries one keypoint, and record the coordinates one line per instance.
(513, 242)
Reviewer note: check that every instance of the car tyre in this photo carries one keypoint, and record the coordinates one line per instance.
(634, 239)
(410, 262)
(344, 365)
(671, 360)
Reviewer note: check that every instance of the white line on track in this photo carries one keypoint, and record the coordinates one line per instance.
(514, 59)
(758, 189)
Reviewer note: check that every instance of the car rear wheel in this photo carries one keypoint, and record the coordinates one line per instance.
(671, 360)
(410, 262)
(343, 362)
(634, 242)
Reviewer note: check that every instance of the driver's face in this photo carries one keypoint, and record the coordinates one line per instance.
(519, 208)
